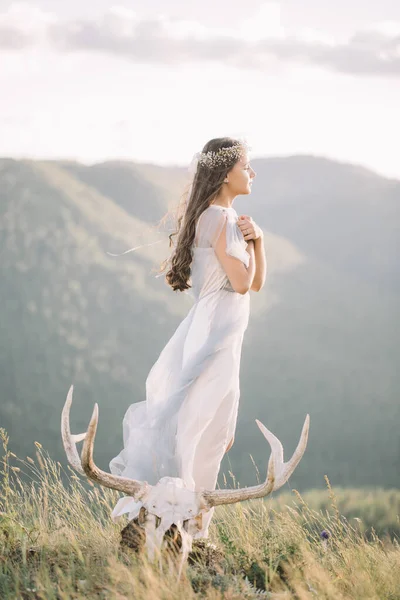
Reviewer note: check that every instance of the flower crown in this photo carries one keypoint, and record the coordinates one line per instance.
(223, 157)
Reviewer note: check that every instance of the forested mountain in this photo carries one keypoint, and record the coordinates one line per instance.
(323, 335)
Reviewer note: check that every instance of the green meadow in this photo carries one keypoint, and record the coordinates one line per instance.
(57, 542)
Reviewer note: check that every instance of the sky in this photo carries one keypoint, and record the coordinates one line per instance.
(152, 81)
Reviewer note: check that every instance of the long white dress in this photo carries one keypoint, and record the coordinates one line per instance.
(189, 416)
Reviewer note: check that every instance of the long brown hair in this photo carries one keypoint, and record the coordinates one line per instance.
(206, 185)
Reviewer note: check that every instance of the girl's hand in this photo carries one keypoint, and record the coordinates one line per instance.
(249, 229)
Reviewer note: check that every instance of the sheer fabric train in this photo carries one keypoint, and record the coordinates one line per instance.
(192, 391)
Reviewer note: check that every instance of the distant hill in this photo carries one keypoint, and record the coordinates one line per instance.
(323, 335)
(143, 191)
(341, 214)
(70, 313)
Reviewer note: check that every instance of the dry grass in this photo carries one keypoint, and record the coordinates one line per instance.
(57, 542)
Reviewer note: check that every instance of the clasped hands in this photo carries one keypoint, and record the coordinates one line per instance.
(249, 229)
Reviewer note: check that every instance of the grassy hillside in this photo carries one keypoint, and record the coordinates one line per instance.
(323, 334)
(57, 541)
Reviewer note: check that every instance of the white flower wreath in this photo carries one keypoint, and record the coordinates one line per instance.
(222, 157)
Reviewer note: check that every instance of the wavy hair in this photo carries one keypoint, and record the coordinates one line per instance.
(205, 187)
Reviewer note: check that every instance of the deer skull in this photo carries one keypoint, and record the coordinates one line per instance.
(170, 502)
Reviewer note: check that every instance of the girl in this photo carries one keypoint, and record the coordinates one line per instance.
(188, 420)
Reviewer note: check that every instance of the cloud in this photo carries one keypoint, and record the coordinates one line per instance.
(14, 39)
(160, 40)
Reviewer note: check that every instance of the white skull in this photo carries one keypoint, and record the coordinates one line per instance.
(167, 503)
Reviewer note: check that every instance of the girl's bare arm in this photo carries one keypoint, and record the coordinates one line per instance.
(240, 277)
(252, 233)
(261, 264)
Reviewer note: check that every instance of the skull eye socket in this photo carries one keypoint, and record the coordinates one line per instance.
(142, 515)
(194, 523)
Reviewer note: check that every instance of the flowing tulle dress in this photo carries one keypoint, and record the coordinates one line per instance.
(189, 416)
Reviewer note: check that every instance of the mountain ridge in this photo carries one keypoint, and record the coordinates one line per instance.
(321, 336)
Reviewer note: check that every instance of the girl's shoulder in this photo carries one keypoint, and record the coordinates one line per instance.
(217, 212)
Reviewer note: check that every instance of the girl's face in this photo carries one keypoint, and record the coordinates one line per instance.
(240, 177)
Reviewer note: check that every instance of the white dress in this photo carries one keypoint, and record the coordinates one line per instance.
(189, 416)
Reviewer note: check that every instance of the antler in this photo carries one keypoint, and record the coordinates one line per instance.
(70, 440)
(278, 471)
(86, 465)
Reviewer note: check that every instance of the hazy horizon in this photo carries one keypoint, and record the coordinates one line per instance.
(151, 84)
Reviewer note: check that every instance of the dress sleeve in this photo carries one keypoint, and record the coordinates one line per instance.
(209, 228)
